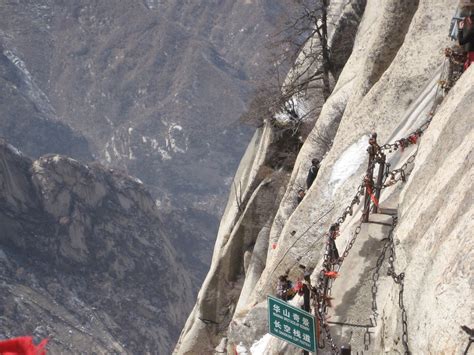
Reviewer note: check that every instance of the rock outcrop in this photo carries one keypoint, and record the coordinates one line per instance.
(389, 85)
(84, 259)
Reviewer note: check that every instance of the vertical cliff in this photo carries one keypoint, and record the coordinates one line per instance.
(389, 85)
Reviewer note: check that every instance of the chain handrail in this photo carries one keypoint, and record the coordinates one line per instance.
(398, 279)
(331, 266)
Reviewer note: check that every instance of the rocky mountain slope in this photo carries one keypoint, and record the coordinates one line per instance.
(85, 259)
(154, 87)
(389, 85)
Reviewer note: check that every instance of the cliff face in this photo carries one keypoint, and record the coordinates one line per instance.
(388, 85)
(84, 259)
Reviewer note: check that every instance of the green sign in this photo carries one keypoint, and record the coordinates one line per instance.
(291, 324)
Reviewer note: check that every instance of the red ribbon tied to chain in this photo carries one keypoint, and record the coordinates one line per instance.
(22, 346)
(372, 196)
(331, 274)
(413, 138)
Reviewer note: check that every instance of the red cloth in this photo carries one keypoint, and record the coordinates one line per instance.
(470, 59)
(413, 138)
(298, 287)
(372, 196)
(22, 346)
(331, 274)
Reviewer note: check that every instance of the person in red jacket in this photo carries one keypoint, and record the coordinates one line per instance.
(466, 38)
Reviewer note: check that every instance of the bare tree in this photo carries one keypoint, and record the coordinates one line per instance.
(304, 41)
(322, 138)
(302, 46)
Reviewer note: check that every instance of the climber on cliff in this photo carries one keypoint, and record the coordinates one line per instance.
(313, 172)
(466, 37)
(333, 252)
(285, 289)
(304, 287)
(301, 195)
(306, 274)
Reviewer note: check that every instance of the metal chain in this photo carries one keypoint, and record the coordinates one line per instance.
(399, 280)
(366, 339)
(456, 58)
(413, 136)
(325, 325)
(350, 244)
(399, 174)
(324, 286)
(325, 283)
(323, 289)
(375, 279)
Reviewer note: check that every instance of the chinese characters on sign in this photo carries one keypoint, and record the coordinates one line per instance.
(291, 324)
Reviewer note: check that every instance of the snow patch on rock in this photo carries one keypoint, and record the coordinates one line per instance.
(14, 150)
(259, 347)
(296, 109)
(241, 349)
(176, 141)
(348, 163)
(107, 155)
(151, 4)
(164, 154)
(137, 180)
(155, 145)
(33, 91)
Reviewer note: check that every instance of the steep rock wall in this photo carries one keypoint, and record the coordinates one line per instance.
(434, 231)
(268, 161)
(242, 242)
(353, 83)
(382, 109)
(389, 88)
